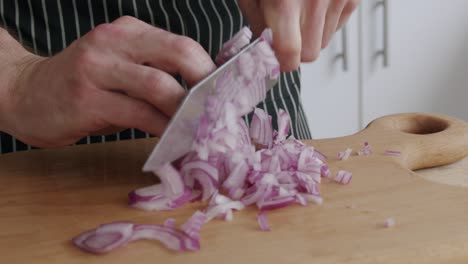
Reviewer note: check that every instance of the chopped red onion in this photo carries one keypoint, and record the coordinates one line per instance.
(319, 155)
(170, 237)
(313, 198)
(283, 125)
(366, 150)
(105, 237)
(261, 129)
(344, 155)
(170, 222)
(392, 152)
(194, 224)
(343, 177)
(262, 221)
(234, 45)
(389, 222)
(224, 169)
(222, 209)
(325, 171)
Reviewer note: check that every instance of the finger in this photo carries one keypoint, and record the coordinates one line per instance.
(347, 11)
(120, 110)
(313, 20)
(252, 12)
(151, 85)
(283, 17)
(331, 20)
(107, 131)
(166, 51)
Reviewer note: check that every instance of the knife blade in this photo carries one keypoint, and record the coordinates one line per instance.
(178, 137)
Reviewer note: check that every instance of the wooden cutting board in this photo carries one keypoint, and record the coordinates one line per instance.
(49, 196)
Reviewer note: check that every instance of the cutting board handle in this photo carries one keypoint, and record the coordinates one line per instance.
(425, 140)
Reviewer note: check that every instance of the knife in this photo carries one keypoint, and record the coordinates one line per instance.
(178, 137)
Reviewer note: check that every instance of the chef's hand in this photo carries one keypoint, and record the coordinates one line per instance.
(301, 28)
(118, 75)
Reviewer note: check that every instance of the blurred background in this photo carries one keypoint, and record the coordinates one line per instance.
(392, 56)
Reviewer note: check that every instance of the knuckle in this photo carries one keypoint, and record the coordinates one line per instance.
(85, 60)
(310, 55)
(158, 81)
(126, 20)
(280, 3)
(105, 33)
(99, 34)
(288, 50)
(353, 4)
(186, 46)
(341, 3)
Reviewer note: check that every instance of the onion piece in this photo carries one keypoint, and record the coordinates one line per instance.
(344, 155)
(389, 222)
(325, 171)
(366, 150)
(170, 222)
(313, 198)
(319, 155)
(234, 45)
(105, 237)
(280, 202)
(159, 202)
(194, 224)
(343, 177)
(171, 180)
(261, 129)
(262, 221)
(392, 152)
(283, 125)
(171, 238)
(220, 205)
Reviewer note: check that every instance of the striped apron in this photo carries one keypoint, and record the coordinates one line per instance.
(48, 26)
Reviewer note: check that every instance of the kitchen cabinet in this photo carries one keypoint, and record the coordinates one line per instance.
(427, 58)
(330, 86)
(425, 70)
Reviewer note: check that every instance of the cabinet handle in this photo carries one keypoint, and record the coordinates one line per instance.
(344, 54)
(384, 51)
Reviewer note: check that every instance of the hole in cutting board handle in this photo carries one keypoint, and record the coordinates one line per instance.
(422, 125)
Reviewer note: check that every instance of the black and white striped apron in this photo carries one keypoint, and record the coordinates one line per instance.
(48, 26)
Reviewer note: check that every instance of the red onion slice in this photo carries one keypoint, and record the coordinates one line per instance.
(283, 125)
(171, 238)
(222, 209)
(389, 222)
(325, 171)
(262, 221)
(366, 150)
(313, 198)
(105, 238)
(234, 45)
(194, 224)
(171, 180)
(261, 129)
(344, 155)
(280, 202)
(343, 177)
(170, 222)
(159, 202)
(392, 152)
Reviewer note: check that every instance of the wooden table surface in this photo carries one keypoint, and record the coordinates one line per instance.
(48, 196)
